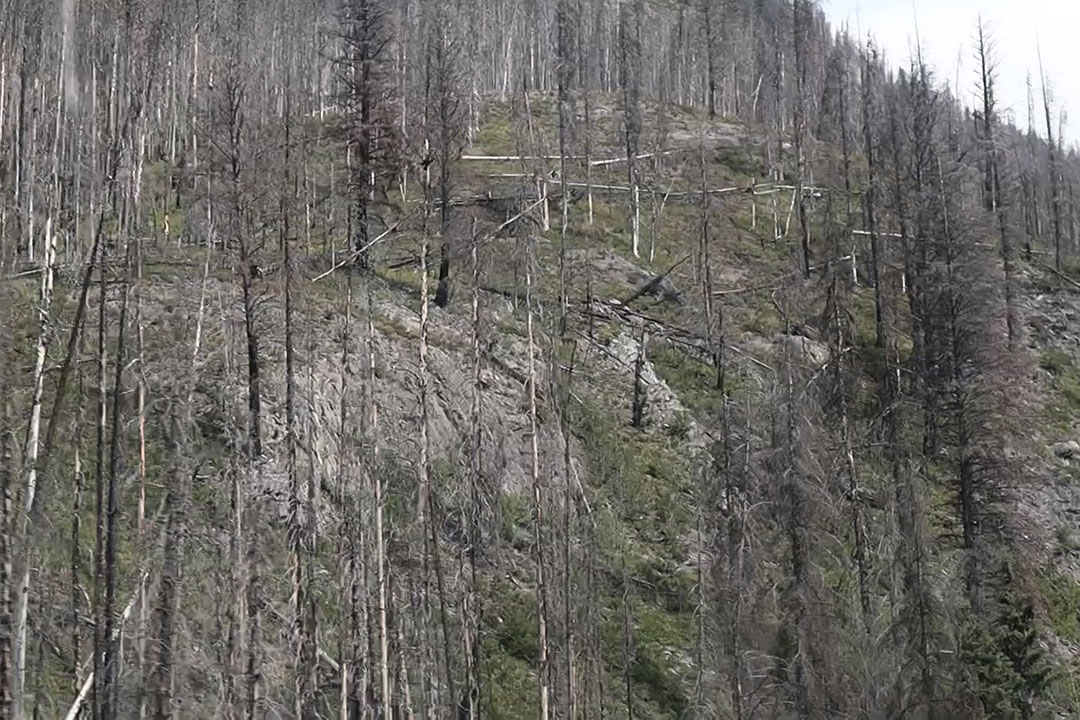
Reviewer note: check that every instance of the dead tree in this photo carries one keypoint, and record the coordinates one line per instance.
(799, 22)
(630, 56)
(472, 608)
(100, 638)
(1055, 172)
(870, 196)
(21, 531)
(539, 546)
(566, 17)
(351, 570)
(637, 405)
(164, 620)
(160, 682)
(912, 549)
(444, 78)
(109, 671)
(302, 614)
(369, 102)
(992, 162)
(7, 459)
(712, 36)
(382, 563)
(797, 528)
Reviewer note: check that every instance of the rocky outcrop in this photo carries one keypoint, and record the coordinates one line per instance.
(1066, 450)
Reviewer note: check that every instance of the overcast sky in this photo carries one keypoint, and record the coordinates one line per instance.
(947, 31)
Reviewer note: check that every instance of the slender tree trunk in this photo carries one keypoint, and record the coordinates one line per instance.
(108, 681)
(1055, 174)
(426, 510)
(349, 574)
(637, 406)
(630, 52)
(168, 605)
(301, 675)
(992, 186)
(382, 562)
(858, 527)
(701, 604)
(99, 504)
(627, 630)
(539, 548)
(913, 554)
(30, 459)
(799, 129)
(871, 205)
(140, 519)
(587, 100)
(7, 459)
(469, 707)
(710, 55)
(567, 13)
(76, 570)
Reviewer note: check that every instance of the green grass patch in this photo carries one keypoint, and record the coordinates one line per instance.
(496, 136)
(644, 477)
(509, 688)
(515, 615)
(692, 380)
(1065, 403)
(660, 639)
(515, 520)
(1062, 597)
(763, 319)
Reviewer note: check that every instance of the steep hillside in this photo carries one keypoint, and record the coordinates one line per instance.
(715, 504)
(558, 359)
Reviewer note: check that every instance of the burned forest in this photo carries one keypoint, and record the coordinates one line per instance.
(555, 359)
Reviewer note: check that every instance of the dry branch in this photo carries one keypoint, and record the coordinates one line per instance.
(1056, 272)
(536, 158)
(357, 253)
(672, 333)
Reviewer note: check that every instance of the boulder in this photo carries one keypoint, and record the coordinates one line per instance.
(661, 287)
(1066, 450)
(618, 272)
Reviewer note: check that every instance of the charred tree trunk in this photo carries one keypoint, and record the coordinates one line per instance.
(630, 53)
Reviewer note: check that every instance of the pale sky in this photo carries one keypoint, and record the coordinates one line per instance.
(947, 31)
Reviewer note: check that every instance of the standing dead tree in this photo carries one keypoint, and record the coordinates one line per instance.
(231, 199)
(382, 563)
(472, 607)
(445, 80)
(371, 130)
(993, 167)
(631, 18)
(539, 546)
(800, 11)
(7, 461)
(443, 134)
(21, 530)
(1053, 152)
(566, 18)
(302, 618)
(164, 619)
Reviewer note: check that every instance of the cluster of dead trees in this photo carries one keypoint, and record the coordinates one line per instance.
(253, 140)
